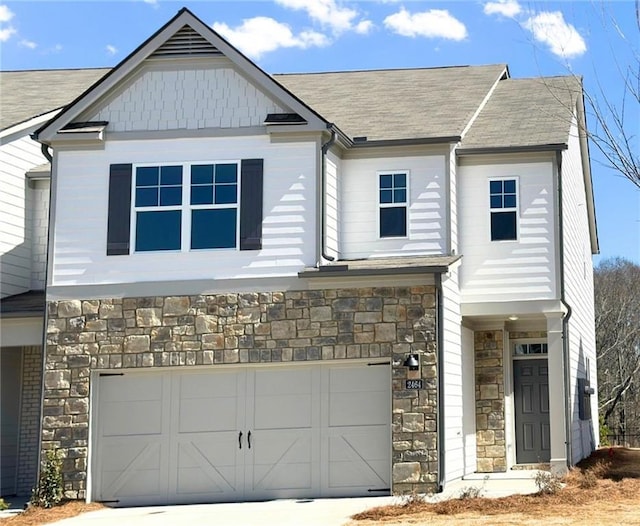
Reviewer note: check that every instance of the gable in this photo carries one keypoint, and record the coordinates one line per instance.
(196, 94)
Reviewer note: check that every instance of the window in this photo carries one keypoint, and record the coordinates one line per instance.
(172, 215)
(393, 204)
(527, 349)
(503, 203)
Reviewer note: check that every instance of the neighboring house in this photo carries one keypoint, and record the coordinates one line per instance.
(24, 200)
(329, 284)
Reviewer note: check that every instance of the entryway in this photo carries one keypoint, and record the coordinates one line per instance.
(236, 434)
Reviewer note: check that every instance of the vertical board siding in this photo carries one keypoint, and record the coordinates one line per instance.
(39, 230)
(507, 270)
(332, 204)
(187, 99)
(16, 158)
(426, 226)
(578, 275)
(289, 215)
(453, 375)
(469, 401)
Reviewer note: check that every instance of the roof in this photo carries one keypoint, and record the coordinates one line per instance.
(397, 103)
(28, 94)
(525, 113)
(26, 304)
(382, 266)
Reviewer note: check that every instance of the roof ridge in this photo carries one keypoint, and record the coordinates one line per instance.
(391, 69)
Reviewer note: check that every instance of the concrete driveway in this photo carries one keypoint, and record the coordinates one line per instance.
(307, 512)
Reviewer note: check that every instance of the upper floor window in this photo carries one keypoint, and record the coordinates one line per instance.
(393, 192)
(503, 203)
(173, 214)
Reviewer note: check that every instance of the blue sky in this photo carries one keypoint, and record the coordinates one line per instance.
(589, 38)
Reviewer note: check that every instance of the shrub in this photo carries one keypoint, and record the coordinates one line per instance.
(3, 505)
(48, 491)
(547, 483)
(604, 432)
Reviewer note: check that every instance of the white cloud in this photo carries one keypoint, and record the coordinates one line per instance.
(329, 14)
(27, 43)
(259, 35)
(508, 8)
(5, 13)
(6, 33)
(152, 2)
(551, 29)
(364, 27)
(111, 50)
(435, 23)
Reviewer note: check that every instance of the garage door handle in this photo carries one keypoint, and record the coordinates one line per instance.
(249, 439)
(240, 440)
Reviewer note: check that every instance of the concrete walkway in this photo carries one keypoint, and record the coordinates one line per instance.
(311, 512)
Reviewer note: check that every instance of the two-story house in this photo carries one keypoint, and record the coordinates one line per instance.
(331, 284)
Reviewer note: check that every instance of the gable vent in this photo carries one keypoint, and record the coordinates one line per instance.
(186, 43)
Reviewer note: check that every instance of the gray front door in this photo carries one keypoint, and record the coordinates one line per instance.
(531, 386)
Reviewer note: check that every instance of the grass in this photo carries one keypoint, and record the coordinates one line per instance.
(602, 489)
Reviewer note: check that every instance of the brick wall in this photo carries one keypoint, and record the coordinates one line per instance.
(29, 419)
(249, 328)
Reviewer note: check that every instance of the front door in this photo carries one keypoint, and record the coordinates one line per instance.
(531, 386)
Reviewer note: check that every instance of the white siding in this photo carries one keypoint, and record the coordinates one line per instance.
(507, 270)
(469, 401)
(187, 99)
(578, 275)
(452, 398)
(453, 202)
(426, 226)
(16, 158)
(289, 214)
(39, 229)
(332, 204)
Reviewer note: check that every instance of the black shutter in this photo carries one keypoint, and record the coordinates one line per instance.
(251, 204)
(119, 222)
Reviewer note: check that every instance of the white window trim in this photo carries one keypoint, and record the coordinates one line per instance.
(515, 209)
(380, 205)
(186, 207)
(541, 356)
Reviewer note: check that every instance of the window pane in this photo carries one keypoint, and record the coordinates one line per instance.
(400, 180)
(399, 196)
(509, 201)
(510, 186)
(213, 228)
(202, 174)
(158, 230)
(496, 201)
(170, 195)
(147, 196)
(503, 226)
(171, 175)
(386, 181)
(393, 222)
(226, 194)
(495, 187)
(202, 195)
(226, 173)
(386, 196)
(147, 176)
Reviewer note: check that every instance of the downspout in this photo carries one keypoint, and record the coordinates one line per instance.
(440, 383)
(565, 320)
(323, 190)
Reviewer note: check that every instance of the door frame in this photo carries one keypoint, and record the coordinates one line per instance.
(512, 357)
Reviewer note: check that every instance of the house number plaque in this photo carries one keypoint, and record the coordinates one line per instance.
(413, 384)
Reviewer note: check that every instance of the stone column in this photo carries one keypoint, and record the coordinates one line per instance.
(557, 420)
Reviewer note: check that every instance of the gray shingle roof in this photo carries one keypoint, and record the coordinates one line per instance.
(398, 103)
(525, 112)
(28, 94)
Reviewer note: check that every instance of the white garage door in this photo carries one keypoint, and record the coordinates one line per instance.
(242, 434)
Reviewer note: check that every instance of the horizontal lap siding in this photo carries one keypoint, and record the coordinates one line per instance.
(508, 270)
(426, 227)
(288, 242)
(16, 158)
(578, 274)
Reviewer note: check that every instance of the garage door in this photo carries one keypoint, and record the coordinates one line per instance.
(242, 434)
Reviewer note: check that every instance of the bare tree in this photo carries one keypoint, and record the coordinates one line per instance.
(617, 312)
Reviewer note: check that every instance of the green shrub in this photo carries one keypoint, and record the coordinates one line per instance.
(48, 491)
(604, 433)
(3, 505)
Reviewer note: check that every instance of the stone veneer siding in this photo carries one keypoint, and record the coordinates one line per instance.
(29, 419)
(249, 328)
(490, 427)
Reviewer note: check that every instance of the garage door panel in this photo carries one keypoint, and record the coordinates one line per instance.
(208, 415)
(281, 460)
(132, 418)
(358, 408)
(126, 387)
(206, 468)
(283, 412)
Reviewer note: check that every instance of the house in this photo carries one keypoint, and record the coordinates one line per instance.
(331, 284)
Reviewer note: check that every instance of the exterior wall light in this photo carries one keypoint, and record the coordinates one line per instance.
(412, 361)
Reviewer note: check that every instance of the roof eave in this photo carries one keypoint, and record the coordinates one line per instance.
(533, 148)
